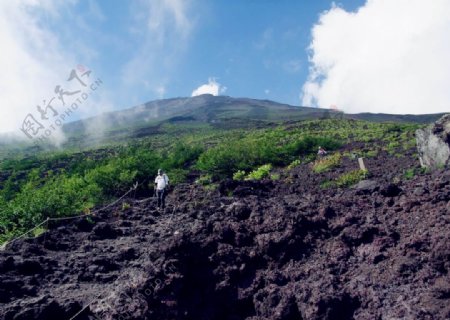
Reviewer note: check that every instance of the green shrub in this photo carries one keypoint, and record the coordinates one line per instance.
(211, 187)
(113, 178)
(371, 153)
(10, 188)
(395, 128)
(181, 155)
(294, 164)
(260, 173)
(205, 179)
(409, 173)
(309, 144)
(239, 175)
(327, 163)
(146, 163)
(309, 158)
(177, 176)
(326, 184)
(351, 178)
(392, 147)
(277, 147)
(275, 176)
(31, 191)
(59, 197)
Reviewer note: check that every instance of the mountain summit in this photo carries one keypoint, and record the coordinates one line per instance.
(222, 111)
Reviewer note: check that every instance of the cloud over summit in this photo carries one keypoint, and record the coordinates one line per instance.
(212, 87)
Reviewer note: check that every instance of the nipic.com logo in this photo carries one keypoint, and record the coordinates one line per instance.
(56, 109)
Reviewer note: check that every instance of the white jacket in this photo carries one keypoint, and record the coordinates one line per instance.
(161, 181)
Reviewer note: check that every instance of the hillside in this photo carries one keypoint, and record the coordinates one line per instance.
(214, 109)
(256, 226)
(55, 184)
(204, 112)
(269, 249)
(218, 111)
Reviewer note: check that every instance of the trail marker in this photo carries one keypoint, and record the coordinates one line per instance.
(361, 164)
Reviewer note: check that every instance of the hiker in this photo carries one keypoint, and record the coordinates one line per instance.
(321, 153)
(161, 183)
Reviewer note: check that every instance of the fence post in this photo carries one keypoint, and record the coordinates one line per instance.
(361, 164)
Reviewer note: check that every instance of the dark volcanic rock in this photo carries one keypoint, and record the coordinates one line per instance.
(239, 210)
(390, 190)
(281, 251)
(105, 231)
(366, 186)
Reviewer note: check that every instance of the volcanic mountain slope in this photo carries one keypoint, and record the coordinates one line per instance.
(219, 111)
(204, 111)
(281, 249)
(214, 109)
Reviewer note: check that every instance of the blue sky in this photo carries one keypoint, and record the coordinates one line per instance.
(364, 56)
(253, 48)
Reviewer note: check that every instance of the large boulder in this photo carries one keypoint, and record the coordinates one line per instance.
(433, 143)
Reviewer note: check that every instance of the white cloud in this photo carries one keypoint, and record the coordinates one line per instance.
(166, 15)
(162, 30)
(212, 87)
(389, 56)
(32, 61)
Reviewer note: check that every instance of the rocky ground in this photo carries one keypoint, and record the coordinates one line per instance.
(250, 250)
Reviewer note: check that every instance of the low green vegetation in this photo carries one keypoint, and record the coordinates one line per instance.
(205, 179)
(412, 172)
(52, 194)
(260, 173)
(371, 153)
(350, 178)
(277, 147)
(409, 173)
(294, 164)
(239, 175)
(125, 206)
(346, 179)
(59, 183)
(327, 163)
(275, 176)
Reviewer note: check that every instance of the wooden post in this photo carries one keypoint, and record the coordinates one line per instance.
(361, 164)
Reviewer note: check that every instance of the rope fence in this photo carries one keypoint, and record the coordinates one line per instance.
(46, 221)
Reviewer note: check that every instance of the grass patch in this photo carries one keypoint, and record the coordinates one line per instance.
(350, 178)
(409, 173)
(260, 173)
(327, 184)
(125, 206)
(294, 164)
(204, 180)
(38, 231)
(371, 153)
(239, 175)
(275, 176)
(211, 187)
(327, 163)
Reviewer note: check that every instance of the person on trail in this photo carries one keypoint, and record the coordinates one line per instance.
(321, 153)
(161, 183)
